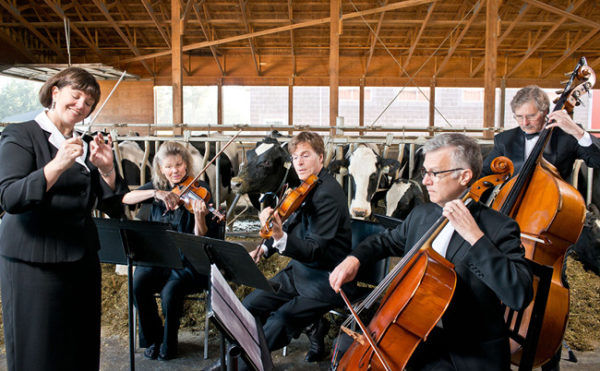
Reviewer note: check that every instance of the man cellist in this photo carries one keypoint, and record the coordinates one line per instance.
(484, 247)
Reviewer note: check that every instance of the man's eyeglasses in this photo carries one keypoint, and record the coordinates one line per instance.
(530, 117)
(435, 174)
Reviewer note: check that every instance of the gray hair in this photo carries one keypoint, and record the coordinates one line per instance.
(169, 149)
(466, 154)
(531, 93)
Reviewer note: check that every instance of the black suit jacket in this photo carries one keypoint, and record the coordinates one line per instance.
(561, 151)
(54, 226)
(319, 238)
(489, 273)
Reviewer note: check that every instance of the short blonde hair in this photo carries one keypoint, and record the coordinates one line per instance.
(169, 149)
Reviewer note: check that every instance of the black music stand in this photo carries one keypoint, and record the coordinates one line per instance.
(237, 324)
(209, 254)
(130, 243)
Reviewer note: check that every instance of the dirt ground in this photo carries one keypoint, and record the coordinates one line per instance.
(582, 335)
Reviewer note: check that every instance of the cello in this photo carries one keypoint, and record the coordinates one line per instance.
(550, 213)
(417, 290)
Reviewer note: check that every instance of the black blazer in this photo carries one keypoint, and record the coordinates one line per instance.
(54, 226)
(562, 151)
(491, 272)
(319, 238)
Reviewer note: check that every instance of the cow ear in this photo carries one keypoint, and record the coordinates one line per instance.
(390, 166)
(335, 166)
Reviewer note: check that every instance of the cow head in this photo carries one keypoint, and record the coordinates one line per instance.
(368, 173)
(402, 197)
(265, 169)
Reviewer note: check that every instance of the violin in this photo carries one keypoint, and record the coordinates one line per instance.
(289, 203)
(190, 189)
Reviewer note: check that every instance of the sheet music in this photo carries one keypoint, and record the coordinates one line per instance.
(234, 317)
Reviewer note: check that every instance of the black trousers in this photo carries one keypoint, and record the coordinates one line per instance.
(285, 314)
(51, 314)
(172, 285)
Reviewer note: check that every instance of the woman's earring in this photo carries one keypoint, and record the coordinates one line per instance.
(53, 105)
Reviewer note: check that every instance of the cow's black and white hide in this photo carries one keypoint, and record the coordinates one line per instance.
(370, 176)
(587, 246)
(402, 197)
(132, 161)
(267, 168)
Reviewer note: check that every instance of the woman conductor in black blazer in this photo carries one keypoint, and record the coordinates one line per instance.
(50, 180)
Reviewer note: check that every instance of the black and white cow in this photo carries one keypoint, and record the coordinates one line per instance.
(267, 168)
(370, 176)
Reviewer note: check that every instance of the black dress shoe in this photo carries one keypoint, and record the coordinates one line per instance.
(316, 335)
(151, 352)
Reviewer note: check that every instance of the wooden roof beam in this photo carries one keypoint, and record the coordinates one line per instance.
(250, 40)
(516, 21)
(213, 50)
(413, 45)
(110, 19)
(569, 52)
(459, 39)
(6, 39)
(316, 22)
(539, 43)
(160, 29)
(59, 11)
(375, 38)
(17, 14)
(77, 7)
(564, 13)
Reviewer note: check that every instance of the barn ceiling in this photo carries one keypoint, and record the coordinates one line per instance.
(267, 41)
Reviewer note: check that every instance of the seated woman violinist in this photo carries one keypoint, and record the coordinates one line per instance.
(170, 167)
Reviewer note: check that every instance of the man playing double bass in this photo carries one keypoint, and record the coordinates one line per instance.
(569, 141)
(484, 247)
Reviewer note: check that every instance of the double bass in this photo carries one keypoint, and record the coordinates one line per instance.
(550, 213)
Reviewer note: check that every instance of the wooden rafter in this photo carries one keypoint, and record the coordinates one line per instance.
(213, 50)
(19, 47)
(570, 51)
(544, 37)
(460, 38)
(17, 14)
(375, 37)
(248, 30)
(316, 22)
(506, 32)
(82, 19)
(59, 11)
(564, 13)
(413, 45)
(160, 29)
(107, 15)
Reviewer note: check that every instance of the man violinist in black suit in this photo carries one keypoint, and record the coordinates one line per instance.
(568, 142)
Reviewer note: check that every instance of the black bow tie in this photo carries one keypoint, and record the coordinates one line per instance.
(531, 136)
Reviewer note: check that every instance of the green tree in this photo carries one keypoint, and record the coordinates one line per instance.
(18, 96)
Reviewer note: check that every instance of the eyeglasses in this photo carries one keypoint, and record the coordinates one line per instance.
(530, 117)
(435, 174)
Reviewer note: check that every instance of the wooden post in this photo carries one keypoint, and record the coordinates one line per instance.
(220, 102)
(334, 62)
(491, 52)
(432, 106)
(176, 66)
(502, 102)
(361, 104)
(291, 105)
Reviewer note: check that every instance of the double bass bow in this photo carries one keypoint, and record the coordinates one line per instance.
(550, 213)
(417, 290)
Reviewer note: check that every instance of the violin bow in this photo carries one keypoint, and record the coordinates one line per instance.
(211, 161)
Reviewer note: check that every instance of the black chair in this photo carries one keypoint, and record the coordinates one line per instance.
(543, 276)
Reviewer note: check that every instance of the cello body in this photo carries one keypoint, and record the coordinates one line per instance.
(552, 212)
(415, 301)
